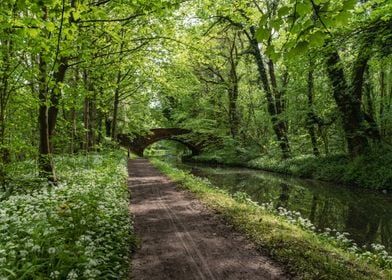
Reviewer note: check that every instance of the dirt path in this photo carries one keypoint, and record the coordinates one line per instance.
(181, 239)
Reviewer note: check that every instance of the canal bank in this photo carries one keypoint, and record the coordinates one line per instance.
(308, 255)
(371, 172)
(365, 215)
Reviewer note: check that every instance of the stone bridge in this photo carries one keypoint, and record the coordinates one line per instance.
(137, 143)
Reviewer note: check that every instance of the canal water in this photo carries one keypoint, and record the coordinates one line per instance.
(365, 215)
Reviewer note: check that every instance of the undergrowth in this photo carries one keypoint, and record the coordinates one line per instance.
(305, 254)
(373, 171)
(77, 229)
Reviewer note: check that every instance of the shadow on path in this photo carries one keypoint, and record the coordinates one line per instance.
(181, 239)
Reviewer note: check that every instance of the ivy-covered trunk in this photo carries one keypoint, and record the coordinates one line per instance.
(311, 117)
(349, 101)
(233, 112)
(233, 89)
(5, 94)
(275, 106)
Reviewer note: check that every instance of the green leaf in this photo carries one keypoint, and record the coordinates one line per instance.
(76, 15)
(284, 11)
(318, 2)
(33, 32)
(301, 47)
(317, 39)
(262, 34)
(304, 8)
(342, 18)
(263, 20)
(276, 23)
(349, 4)
(271, 53)
(50, 26)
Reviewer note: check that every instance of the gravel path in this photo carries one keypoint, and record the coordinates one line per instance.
(181, 239)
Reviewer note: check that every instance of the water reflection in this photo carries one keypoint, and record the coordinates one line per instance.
(367, 216)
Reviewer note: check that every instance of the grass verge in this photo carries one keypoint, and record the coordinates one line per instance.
(78, 229)
(305, 254)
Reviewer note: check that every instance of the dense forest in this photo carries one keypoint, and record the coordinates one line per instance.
(270, 78)
(302, 87)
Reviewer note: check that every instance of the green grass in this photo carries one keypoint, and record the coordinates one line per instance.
(305, 254)
(78, 229)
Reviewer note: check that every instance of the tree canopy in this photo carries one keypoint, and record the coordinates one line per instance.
(277, 78)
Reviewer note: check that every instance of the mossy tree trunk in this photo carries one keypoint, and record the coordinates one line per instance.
(275, 105)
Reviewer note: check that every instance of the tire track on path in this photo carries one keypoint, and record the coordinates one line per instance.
(174, 219)
(181, 239)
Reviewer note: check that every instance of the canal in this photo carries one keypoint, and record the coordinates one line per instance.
(365, 215)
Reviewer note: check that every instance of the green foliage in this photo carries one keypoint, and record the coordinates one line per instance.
(371, 171)
(231, 153)
(142, 64)
(78, 229)
(171, 68)
(368, 171)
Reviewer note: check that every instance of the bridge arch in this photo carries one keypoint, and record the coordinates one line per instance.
(138, 143)
(194, 150)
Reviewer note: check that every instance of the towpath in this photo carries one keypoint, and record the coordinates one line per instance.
(181, 239)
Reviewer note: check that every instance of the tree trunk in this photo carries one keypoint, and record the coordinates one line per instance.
(73, 131)
(92, 123)
(7, 52)
(233, 81)
(98, 119)
(373, 132)
(89, 114)
(388, 106)
(45, 157)
(311, 114)
(54, 97)
(73, 115)
(86, 121)
(382, 104)
(51, 94)
(116, 103)
(48, 114)
(278, 125)
(349, 102)
(108, 127)
(233, 114)
(280, 108)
